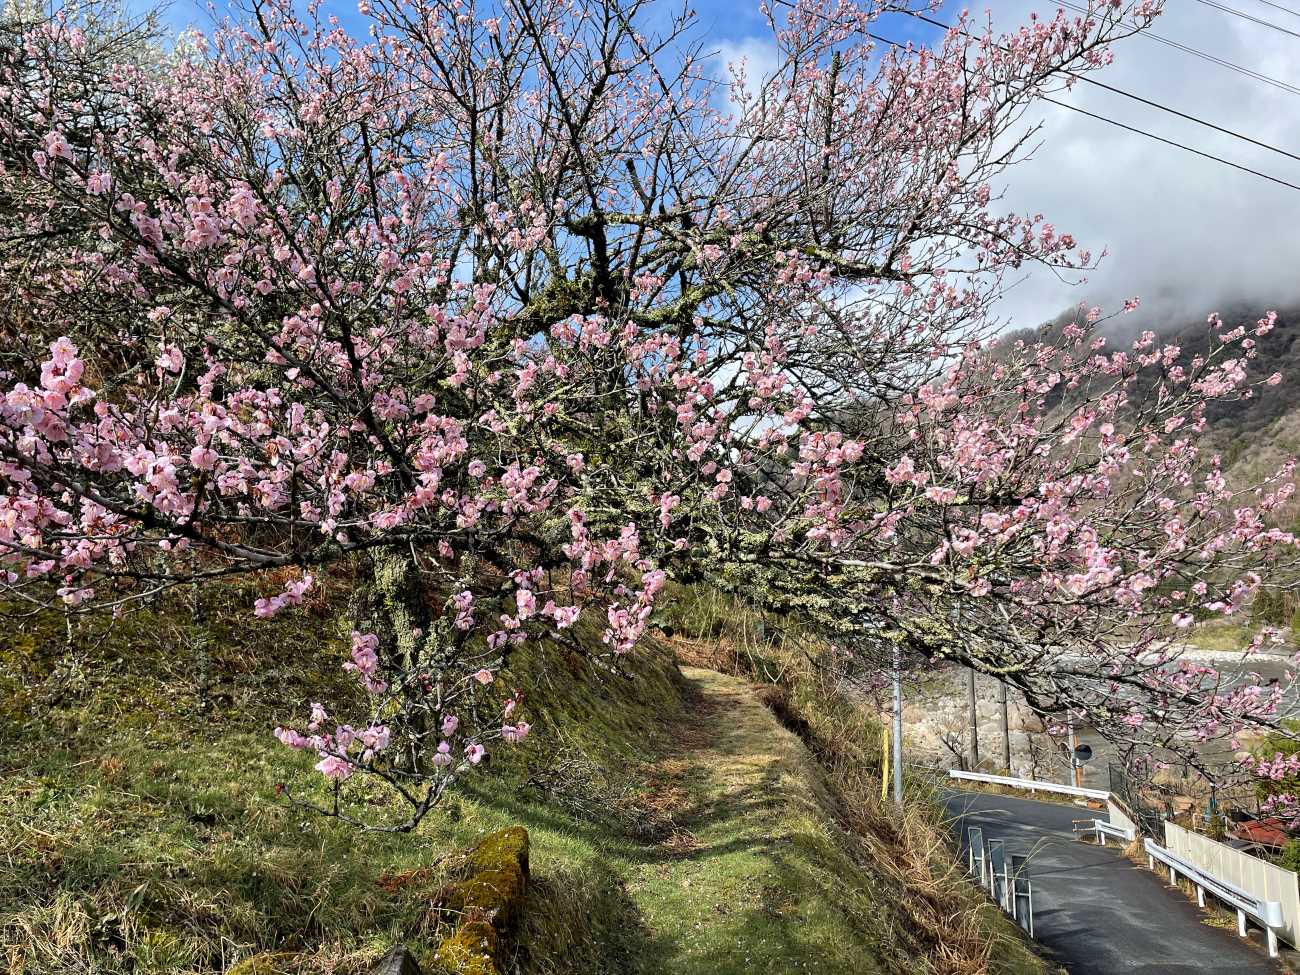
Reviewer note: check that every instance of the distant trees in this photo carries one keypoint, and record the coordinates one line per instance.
(520, 307)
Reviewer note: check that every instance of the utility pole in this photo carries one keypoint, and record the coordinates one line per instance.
(1074, 763)
(898, 727)
(974, 720)
(1006, 728)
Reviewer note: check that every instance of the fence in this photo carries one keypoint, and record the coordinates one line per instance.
(1121, 816)
(1256, 877)
(1101, 829)
(1137, 809)
(1004, 875)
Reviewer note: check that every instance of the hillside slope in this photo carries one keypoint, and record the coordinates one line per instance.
(676, 825)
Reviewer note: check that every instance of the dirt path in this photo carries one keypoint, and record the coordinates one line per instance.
(759, 878)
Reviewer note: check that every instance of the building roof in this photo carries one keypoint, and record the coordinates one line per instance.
(1269, 832)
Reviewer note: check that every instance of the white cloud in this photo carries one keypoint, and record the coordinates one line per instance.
(1187, 234)
(758, 56)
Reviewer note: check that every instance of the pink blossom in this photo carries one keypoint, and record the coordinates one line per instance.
(515, 733)
(170, 359)
(335, 768)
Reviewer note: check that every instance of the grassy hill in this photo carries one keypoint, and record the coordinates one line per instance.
(677, 825)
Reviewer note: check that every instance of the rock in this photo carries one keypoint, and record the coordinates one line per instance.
(488, 901)
(265, 963)
(472, 950)
(397, 961)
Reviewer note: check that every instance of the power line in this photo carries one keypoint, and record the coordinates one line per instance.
(1251, 17)
(1184, 115)
(1150, 135)
(1215, 59)
(1278, 6)
(1205, 56)
(1171, 142)
(1145, 101)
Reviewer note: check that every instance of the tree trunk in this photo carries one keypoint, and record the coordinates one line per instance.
(391, 604)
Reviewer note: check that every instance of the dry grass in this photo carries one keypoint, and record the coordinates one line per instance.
(954, 925)
(937, 913)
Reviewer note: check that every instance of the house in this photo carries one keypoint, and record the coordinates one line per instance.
(1259, 835)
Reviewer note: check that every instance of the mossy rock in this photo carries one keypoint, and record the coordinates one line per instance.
(505, 846)
(472, 950)
(488, 901)
(493, 895)
(498, 878)
(266, 963)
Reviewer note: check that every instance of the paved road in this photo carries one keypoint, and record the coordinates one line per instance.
(1098, 912)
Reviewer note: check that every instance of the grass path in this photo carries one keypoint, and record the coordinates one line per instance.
(755, 881)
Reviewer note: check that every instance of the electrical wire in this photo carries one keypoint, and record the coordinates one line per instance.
(1176, 144)
(1204, 55)
(1143, 132)
(1250, 17)
(1145, 101)
(1278, 6)
(1214, 59)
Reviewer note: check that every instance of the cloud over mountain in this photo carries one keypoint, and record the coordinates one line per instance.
(1187, 234)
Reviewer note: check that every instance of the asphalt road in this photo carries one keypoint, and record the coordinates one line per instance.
(1094, 909)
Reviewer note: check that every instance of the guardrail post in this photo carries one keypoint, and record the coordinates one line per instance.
(978, 860)
(1268, 913)
(997, 871)
(1022, 893)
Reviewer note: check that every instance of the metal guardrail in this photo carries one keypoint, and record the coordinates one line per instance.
(1004, 875)
(1031, 785)
(1267, 913)
(1101, 829)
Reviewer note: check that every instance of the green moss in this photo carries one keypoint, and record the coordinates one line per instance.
(471, 950)
(487, 902)
(266, 963)
(506, 848)
(497, 881)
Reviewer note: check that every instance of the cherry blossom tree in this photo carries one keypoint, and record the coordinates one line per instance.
(516, 308)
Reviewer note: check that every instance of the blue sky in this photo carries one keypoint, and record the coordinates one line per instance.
(1188, 235)
(729, 21)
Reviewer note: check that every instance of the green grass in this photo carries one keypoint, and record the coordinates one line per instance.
(676, 826)
(1221, 636)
